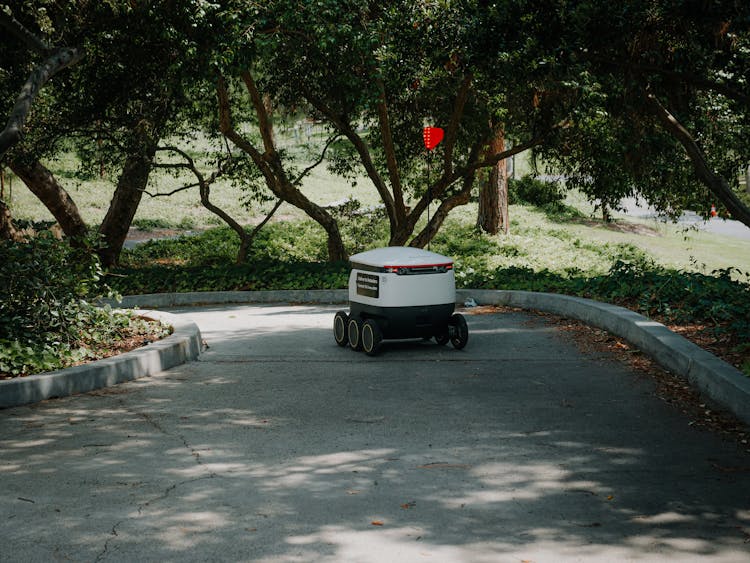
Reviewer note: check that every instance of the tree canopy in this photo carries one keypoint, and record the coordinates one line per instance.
(645, 98)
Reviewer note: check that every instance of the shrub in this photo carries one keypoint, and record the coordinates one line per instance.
(42, 282)
(533, 191)
(256, 275)
(47, 320)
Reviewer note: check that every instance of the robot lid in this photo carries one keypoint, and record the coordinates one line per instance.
(399, 258)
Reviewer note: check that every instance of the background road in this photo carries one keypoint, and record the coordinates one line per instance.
(279, 446)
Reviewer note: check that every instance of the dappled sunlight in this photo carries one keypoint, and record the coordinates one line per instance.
(191, 530)
(423, 453)
(387, 543)
(670, 517)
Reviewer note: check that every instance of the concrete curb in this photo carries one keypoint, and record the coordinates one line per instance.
(717, 379)
(183, 345)
(158, 300)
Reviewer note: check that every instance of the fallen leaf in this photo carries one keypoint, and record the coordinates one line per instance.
(408, 505)
(610, 497)
(377, 522)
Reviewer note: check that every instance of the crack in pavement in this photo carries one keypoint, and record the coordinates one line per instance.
(113, 534)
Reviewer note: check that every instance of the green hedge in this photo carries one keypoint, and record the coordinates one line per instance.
(47, 319)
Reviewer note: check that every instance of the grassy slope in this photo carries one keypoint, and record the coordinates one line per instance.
(536, 240)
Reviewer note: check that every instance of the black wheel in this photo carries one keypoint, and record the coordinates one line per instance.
(372, 337)
(340, 329)
(354, 329)
(459, 331)
(443, 338)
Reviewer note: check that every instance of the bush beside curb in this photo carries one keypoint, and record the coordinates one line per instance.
(184, 344)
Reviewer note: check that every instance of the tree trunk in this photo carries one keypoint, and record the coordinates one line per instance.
(503, 200)
(436, 221)
(130, 187)
(290, 194)
(42, 183)
(400, 233)
(492, 215)
(8, 230)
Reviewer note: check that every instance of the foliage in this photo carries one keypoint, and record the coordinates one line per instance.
(375, 72)
(255, 275)
(691, 57)
(47, 319)
(533, 191)
(361, 228)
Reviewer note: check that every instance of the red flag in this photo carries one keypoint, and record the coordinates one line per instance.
(432, 137)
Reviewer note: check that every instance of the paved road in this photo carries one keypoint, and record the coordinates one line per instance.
(279, 446)
(716, 225)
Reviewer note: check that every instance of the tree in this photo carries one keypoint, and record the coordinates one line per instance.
(204, 185)
(657, 82)
(375, 71)
(144, 65)
(271, 164)
(55, 198)
(492, 212)
(55, 60)
(22, 51)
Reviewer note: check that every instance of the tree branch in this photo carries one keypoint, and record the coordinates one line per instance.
(714, 182)
(264, 119)
(451, 131)
(177, 190)
(361, 147)
(459, 198)
(317, 163)
(228, 130)
(439, 188)
(19, 31)
(59, 60)
(390, 152)
(700, 82)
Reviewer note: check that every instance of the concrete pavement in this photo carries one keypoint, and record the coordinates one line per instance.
(279, 446)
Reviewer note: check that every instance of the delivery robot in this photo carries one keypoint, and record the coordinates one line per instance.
(400, 293)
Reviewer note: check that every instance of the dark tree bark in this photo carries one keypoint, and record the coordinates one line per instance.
(713, 181)
(130, 188)
(8, 230)
(492, 215)
(270, 164)
(446, 206)
(43, 184)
